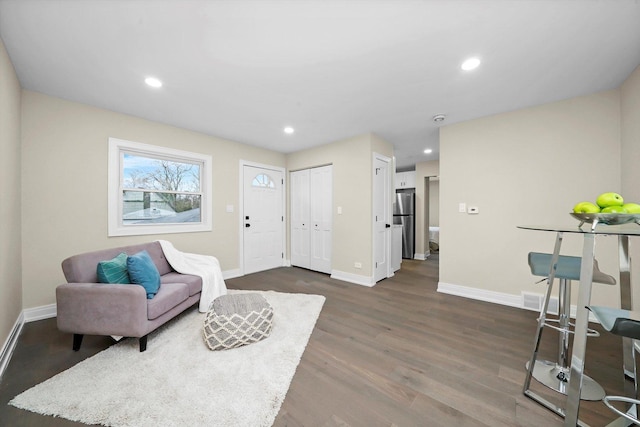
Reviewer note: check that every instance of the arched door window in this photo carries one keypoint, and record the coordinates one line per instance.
(263, 181)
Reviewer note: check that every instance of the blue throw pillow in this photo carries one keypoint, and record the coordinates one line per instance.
(143, 272)
(114, 270)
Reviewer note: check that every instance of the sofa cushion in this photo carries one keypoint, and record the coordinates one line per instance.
(143, 272)
(114, 270)
(81, 268)
(193, 282)
(169, 295)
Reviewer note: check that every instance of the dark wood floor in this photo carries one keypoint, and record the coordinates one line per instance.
(397, 354)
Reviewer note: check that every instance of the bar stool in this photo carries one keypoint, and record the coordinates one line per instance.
(555, 374)
(626, 324)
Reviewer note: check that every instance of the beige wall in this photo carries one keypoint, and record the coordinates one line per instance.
(65, 187)
(525, 167)
(423, 170)
(630, 137)
(10, 239)
(352, 161)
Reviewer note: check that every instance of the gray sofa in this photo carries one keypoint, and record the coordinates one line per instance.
(86, 307)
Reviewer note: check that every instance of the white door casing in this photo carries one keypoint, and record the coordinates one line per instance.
(262, 218)
(381, 218)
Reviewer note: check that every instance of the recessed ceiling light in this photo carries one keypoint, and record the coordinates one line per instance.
(438, 118)
(470, 64)
(153, 82)
(288, 130)
(428, 151)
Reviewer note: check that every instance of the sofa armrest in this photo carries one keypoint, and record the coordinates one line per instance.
(102, 309)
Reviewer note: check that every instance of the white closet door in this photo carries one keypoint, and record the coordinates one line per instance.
(321, 195)
(300, 216)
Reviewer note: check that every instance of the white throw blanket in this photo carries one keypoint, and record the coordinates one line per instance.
(204, 266)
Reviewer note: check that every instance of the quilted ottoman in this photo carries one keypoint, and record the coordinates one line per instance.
(235, 320)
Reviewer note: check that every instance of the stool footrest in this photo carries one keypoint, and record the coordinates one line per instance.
(608, 399)
(548, 323)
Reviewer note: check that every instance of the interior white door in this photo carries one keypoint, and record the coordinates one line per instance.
(321, 195)
(381, 218)
(300, 216)
(263, 219)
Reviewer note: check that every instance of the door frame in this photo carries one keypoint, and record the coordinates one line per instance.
(387, 249)
(244, 163)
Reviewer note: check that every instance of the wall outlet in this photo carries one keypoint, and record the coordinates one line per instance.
(357, 264)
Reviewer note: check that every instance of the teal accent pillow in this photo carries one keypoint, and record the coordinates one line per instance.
(114, 270)
(144, 272)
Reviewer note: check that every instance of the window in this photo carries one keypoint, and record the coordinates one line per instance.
(155, 190)
(263, 181)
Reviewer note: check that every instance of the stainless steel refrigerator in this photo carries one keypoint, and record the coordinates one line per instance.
(404, 214)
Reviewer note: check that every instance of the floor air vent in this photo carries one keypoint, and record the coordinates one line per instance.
(531, 301)
(534, 302)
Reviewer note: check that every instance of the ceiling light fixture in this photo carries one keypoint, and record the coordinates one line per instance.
(288, 130)
(470, 64)
(438, 118)
(428, 151)
(153, 82)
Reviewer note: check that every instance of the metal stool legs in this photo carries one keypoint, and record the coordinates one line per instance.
(555, 375)
(626, 324)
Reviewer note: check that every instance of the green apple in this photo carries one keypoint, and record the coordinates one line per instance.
(632, 208)
(614, 209)
(609, 199)
(586, 207)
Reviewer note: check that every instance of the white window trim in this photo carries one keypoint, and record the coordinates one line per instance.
(115, 226)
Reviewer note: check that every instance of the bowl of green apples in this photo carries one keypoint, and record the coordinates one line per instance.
(609, 209)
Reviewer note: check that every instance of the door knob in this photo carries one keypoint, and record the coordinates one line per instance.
(247, 225)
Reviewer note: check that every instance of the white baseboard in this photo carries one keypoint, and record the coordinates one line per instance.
(10, 343)
(39, 313)
(231, 274)
(353, 278)
(497, 298)
(481, 294)
(420, 257)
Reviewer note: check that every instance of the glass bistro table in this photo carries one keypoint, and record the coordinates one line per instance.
(592, 225)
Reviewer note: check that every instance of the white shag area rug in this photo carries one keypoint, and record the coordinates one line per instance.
(178, 381)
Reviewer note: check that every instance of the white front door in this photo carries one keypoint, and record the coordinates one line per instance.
(262, 219)
(381, 218)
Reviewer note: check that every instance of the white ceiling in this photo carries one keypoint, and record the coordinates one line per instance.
(242, 70)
